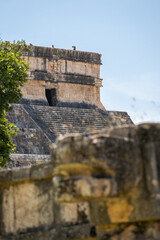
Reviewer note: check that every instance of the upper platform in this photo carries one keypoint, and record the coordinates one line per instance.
(61, 77)
(58, 53)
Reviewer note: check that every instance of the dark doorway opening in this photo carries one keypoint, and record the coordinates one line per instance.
(51, 96)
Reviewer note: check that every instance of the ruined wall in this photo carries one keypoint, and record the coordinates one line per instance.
(66, 92)
(35, 89)
(103, 186)
(63, 66)
(74, 74)
(79, 94)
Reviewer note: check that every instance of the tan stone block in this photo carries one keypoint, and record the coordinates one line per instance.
(74, 213)
(68, 212)
(8, 210)
(27, 206)
(79, 93)
(119, 210)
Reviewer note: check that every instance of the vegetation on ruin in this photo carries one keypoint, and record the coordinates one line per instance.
(13, 74)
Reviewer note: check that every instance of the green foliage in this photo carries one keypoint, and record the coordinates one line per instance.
(13, 74)
(6, 145)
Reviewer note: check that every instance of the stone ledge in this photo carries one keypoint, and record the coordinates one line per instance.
(77, 232)
(30, 157)
(57, 53)
(37, 172)
(66, 78)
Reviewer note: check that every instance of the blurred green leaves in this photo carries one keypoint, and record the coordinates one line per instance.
(13, 74)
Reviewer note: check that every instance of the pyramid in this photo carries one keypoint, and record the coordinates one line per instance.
(61, 96)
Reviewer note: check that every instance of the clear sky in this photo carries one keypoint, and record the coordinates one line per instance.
(125, 32)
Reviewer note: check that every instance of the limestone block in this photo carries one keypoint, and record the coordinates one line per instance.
(68, 213)
(41, 171)
(20, 174)
(79, 93)
(27, 205)
(83, 68)
(34, 89)
(72, 213)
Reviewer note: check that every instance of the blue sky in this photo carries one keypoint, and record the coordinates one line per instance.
(125, 32)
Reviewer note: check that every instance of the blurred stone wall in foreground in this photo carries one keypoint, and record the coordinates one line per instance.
(104, 186)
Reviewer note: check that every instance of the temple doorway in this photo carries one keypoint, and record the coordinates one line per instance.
(51, 96)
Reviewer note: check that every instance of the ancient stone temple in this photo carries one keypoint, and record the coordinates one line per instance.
(62, 96)
(64, 78)
(100, 184)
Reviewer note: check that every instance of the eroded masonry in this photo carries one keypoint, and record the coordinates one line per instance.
(99, 186)
(62, 96)
(61, 77)
(102, 183)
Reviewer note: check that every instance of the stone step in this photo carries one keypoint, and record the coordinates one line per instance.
(30, 138)
(63, 120)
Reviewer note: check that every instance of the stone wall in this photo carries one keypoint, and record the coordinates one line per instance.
(103, 186)
(66, 92)
(74, 74)
(79, 93)
(72, 55)
(43, 64)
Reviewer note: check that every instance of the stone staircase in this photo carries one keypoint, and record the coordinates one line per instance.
(30, 138)
(39, 126)
(64, 120)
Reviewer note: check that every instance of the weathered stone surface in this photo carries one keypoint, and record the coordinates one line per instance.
(26, 198)
(24, 160)
(37, 172)
(41, 171)
(103, 186)
(127, 155)
(72, 213)
(39, 126)
(27, 206)
(30, 138)
(57, 53)
(83, 188)
(76, 232)
(105, 156)
(74, 74)
(61, 96)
